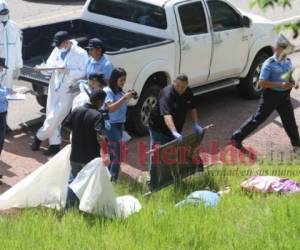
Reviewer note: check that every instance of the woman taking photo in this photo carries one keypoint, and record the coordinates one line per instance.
(116, 101)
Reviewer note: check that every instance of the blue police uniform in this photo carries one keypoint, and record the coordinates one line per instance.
(3, 113)
(103, 66)
(272, 99)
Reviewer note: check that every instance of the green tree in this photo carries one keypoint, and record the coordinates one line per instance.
(266, 4)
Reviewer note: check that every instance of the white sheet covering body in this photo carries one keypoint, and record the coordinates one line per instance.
(47, 186)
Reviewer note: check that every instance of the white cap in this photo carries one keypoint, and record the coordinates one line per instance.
(3, 5)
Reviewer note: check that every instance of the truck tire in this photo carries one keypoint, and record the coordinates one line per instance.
(248, 87)
(141, 112)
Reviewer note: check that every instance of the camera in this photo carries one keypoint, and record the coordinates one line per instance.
(134, 94)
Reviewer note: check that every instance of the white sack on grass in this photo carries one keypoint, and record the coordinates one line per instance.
(46, 186)
(94, 189)
(127, 205)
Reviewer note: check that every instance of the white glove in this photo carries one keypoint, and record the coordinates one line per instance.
(16, 73)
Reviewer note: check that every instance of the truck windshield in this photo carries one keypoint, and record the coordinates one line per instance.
(131, 11)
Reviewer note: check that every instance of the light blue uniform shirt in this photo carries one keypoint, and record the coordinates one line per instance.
(273, 69)
(103, 66)
(119, 116)
(3, 99)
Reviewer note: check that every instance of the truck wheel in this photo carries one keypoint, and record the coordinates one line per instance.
(146, 103)
(248, 86)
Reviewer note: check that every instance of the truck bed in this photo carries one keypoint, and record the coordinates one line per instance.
(37, 42)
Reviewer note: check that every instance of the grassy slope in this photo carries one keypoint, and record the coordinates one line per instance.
(249, 221)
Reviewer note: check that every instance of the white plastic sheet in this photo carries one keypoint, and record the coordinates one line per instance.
(47, 186)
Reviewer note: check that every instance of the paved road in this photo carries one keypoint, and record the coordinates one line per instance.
(34, 12)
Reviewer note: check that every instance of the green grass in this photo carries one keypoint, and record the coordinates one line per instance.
(240, 221)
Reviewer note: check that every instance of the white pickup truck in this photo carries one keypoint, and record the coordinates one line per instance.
(211, 41)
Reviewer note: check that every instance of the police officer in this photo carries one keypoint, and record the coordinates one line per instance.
(276, 96)
(98, 62)
(168, 116)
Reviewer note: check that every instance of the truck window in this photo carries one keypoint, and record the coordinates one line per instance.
(131, 11)
(192, 17)
(223, 16)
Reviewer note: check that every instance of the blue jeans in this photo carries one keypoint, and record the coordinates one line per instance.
(114, 136)
(155, 138)
(72, 199)
(2, 129)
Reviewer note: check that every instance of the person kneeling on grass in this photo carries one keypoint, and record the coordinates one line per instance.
(86, 124)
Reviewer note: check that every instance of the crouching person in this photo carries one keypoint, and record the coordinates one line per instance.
(168, 117)
(86, 138)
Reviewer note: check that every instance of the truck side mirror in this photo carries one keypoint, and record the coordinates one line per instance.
(246, 22)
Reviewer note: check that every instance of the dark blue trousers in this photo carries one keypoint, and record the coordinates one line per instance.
(272, 100)
(2, 129)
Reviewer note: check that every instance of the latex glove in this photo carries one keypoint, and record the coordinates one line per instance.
(10, 91)
(198, 129)
(16, 73)
(105, 160)
(177, 136)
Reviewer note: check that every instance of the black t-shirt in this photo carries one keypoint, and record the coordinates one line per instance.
(85, 146)
(170, 103)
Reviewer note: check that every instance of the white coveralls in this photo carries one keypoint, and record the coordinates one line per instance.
(59, 101)
(11, 50)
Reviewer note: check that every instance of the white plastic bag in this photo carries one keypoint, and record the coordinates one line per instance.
(93, 188)
(95, 191)
(46, 186)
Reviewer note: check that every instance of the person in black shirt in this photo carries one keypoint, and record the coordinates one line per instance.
(84, 123)
(168, 116)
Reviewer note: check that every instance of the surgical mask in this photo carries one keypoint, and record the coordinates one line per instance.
(4, 18)
(63, 50)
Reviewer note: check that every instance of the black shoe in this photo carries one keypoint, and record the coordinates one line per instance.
(35, 146)
(52, 150)
(236, 143)
(8, 130)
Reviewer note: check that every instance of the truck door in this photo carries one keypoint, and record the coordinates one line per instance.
(195, 41)
(230, 41)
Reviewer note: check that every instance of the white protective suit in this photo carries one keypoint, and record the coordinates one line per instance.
(11, 50)
(59, 101)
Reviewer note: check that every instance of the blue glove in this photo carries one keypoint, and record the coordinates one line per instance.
(177, 136)
(198, 129)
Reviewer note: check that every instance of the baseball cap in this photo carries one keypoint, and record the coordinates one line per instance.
(60, 37)
(99, 78)
(3, 7)
(96, 43)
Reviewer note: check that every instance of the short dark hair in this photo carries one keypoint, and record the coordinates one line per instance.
(182, 77)
(115, 75)
(97, 96)
(99, 78)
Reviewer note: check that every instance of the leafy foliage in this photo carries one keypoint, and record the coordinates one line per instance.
(265, 4)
